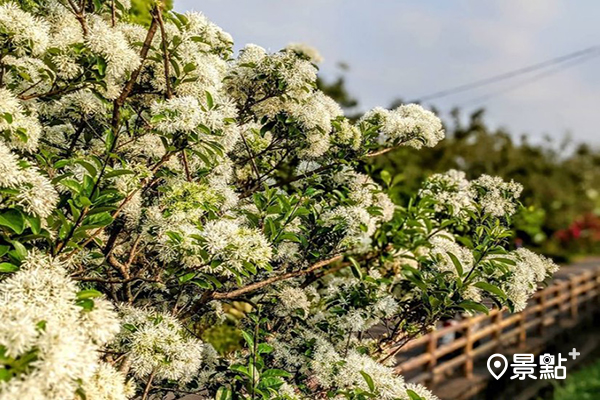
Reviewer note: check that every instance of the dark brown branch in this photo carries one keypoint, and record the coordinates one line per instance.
(116, 281)
(258, 285)
(51, 93)
(118, 103)
(79, 13)
(186, 167)
(165, 48)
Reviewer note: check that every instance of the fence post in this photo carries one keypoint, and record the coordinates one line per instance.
(573, 298)
(469, 351)
(522, 328)
(497, 321)
(431, 348)
(542, 311)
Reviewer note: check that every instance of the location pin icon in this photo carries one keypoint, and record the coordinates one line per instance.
(497, 365)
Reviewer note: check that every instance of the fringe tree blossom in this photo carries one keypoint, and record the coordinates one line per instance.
(227, 208)
(528, 269)
(49, 337)
(158, 345)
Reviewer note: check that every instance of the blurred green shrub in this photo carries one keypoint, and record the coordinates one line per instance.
(581, 385)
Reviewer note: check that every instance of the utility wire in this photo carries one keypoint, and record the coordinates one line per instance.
(534, 78)
(508, 75)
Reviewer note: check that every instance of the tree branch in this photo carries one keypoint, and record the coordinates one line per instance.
(166, 59)
(258, 285)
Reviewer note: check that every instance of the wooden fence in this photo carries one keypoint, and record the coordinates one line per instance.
(557, 307)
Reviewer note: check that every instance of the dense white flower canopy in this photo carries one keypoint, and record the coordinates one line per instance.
(177, 218)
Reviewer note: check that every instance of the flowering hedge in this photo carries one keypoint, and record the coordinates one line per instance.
(151, 184)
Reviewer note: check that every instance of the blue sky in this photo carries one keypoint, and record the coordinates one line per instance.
(415, 47)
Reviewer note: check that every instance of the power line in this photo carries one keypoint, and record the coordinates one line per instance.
(508, 75)
(534, 78)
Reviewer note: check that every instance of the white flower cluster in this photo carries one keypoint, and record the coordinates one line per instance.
(33, 68)
(188, 201)
(496, 197)
(52, 338)
(157, 343)
(259, 75)
(112, 46)
(359, 223)
(187, 114)
(18, 29)
(293, 299)
(409, 125)
(253, 77)
(17, 123)
(341, 291)
(451, 190)
(235, 246)
(332, 370)
(442, 247)
(304, 50)
(36, 194)
(529, 270)
(455, 194)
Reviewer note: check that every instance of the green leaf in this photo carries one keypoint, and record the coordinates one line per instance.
(241, 369)
(386, 177)
(473, 306)
(264, 348)
(72, 184)
(189, 67)
(413, 395)
(8, 267)
(86, 304)
(88, 167)
(34, 223)
(276, 372)
(249, 339)
(414, 276)
(110, 140)
(88, 294)
(118, 172)
(187, 277)
(355, 267)
(223, 394)
(369, 380)
(209, 100)
(491, 289)
(14, 220)
(457, 264)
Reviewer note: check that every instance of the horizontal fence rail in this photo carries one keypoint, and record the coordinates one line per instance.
(425, 360)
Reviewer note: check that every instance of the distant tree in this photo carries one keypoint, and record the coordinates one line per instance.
(140, 10)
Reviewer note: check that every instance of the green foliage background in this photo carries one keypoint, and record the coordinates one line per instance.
(581, 385)
(140, 10)
(561, 179)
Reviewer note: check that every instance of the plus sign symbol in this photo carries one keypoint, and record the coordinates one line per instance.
(574, 353)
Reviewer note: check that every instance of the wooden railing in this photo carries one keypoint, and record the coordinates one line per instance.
(557, 307)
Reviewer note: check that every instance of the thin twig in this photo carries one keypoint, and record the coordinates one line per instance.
(148, 385)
